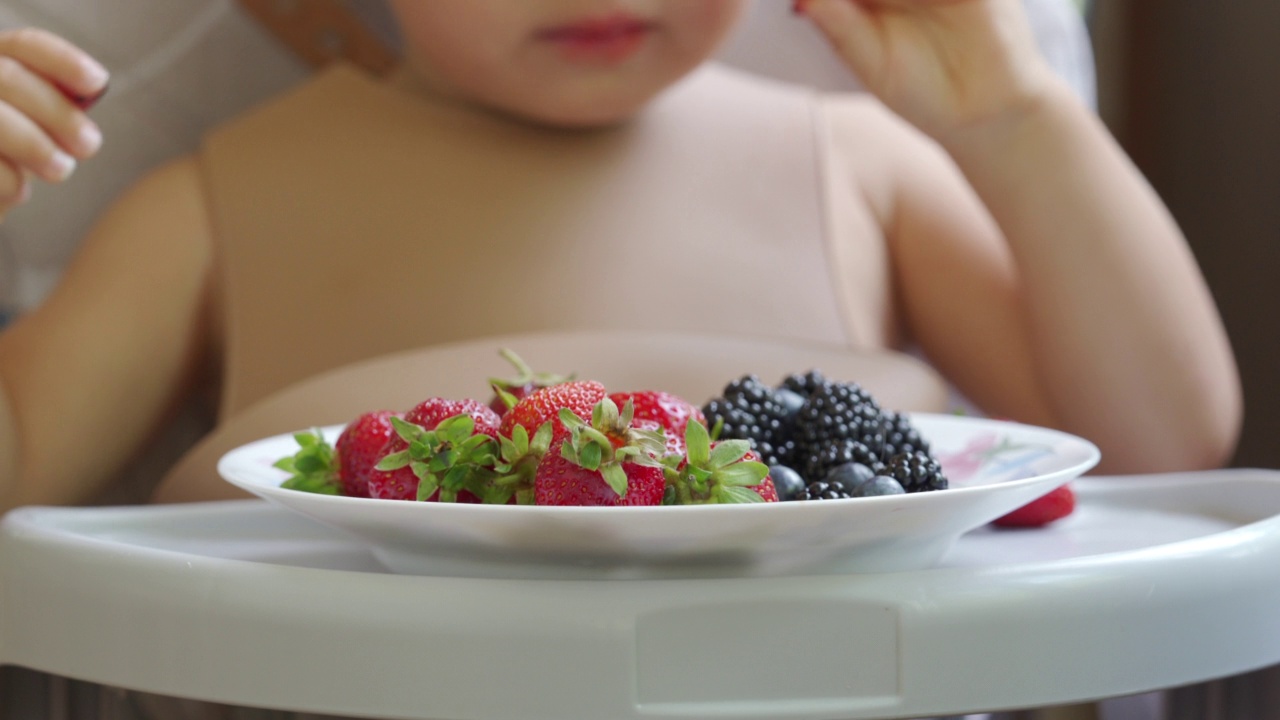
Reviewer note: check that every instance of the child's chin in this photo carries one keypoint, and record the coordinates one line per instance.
(580, 118)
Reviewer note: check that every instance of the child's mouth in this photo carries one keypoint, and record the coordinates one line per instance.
(604, 40)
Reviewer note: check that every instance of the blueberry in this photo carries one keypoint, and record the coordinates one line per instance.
(787, 482)
(790, 400)
(879, 485)
(850, 476)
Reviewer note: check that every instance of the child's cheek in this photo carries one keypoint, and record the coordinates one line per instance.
(708, 18)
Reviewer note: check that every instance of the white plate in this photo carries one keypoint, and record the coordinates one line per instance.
(994, 467)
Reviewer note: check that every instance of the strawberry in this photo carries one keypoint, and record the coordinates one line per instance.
(314, 467)
(359, 448)
(1058, 504)
(441, 450)
(345, 467)
(543, 405)
(518, 460)
(506, 393)
(670, 411)
(561, 481)
(606, 462)
(766, 489)
(430, 412)
(675, 443)
(726, 471)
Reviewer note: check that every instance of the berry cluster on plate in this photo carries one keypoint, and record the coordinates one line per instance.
(554, 440)
(824, 439)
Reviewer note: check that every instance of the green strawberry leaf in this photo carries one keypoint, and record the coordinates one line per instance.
(311, 484)
(314, 467)
(628, 413)
(604, 414)
(427, 486)
(741, 474)
(508, 400)
(442, 460)
(697, 443)
(739, 495)
(590, 456)
(307, 439)
(456, 429)
(570, 420)
(456, 478)
(541, 441)
(420, 469)
(406, 430)
(717, 429)
(615, 477)
(394, 461)
(670, 496)
(728, 452)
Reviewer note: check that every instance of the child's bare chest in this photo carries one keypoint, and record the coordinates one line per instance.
(409, 235)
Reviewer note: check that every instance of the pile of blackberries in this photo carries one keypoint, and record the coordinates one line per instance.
(824, 439)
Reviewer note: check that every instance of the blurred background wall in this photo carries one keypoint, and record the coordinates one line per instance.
(1192, 90)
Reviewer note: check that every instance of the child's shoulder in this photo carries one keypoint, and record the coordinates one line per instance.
(884, 154)
(861, 124)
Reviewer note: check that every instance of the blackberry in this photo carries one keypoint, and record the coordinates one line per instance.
(750, 410)
(805, 384)
(838, 411)
(916, 472)
(900, 436)
(823, 490)
(818, 466)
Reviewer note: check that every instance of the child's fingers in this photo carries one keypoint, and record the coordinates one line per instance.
(34, 97)
(15, 187)
(849, 27)
(56, 59)
(25, 145)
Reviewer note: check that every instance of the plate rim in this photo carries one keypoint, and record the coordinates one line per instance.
(1079, 468)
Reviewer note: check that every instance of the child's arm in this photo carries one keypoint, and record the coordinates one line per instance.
(1052, 286)
(44, 84)
(90, 374)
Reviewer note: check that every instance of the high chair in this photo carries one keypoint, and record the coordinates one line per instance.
(243, 610)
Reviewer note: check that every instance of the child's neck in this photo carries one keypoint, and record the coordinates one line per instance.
(404, 78)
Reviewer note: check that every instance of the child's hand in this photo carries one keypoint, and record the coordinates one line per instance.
(44, 83)
(943, 65)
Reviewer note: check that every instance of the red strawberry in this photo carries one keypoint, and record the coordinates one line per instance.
(359, 448)
(606, 462)
(675, 443)
(560, 481)
(670, 411)
(428, 414)
(544, 404)
(727, 471)
(1041, 511)
(521, 385)
(403, 481)
(765, 489)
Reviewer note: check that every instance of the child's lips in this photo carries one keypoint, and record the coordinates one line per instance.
(600, 40)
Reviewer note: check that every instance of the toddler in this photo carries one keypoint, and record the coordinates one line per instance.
(579, 164)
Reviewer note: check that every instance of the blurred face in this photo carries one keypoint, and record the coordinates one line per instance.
(575, 63)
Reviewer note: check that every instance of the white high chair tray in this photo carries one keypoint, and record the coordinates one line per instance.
(1155, 581)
